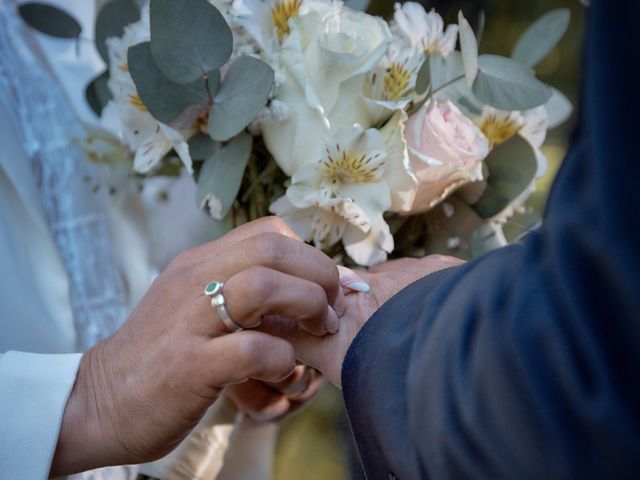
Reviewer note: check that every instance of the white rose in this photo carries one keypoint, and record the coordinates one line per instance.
(323, 63)
(446, 151)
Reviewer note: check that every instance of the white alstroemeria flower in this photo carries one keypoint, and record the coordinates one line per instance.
(344, 194)
(390, 85)
(154, 148)
(267, 21)
(532, 125)
(321, 71)
(422, 30)
(127, 117)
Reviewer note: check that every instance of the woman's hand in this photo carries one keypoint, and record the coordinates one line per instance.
(273, 401)
(141, 391)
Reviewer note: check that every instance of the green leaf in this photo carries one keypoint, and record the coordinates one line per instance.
(507, 85)
(360, 5)
(541, 37)
(469, 47)
(188, 38)
(221, 176)
(443, 70)
(243, 94)
(423, 81)
(201, 146)
(50, 20)
(110, 22)
(165, 100)
(97, 93)
(559, 109)
(512, 167)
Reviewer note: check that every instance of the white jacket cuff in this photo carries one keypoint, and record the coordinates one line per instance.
(34, 389)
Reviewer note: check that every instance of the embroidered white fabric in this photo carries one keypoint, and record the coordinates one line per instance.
(73, 192)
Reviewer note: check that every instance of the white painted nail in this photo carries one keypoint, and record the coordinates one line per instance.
(358, 286)
(333, 322)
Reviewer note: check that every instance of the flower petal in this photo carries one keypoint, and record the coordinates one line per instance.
(398, 172)
(369, 248)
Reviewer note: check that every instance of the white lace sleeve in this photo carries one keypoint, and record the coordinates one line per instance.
(72, 190)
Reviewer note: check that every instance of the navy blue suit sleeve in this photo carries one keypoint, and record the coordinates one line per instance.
(524, 363)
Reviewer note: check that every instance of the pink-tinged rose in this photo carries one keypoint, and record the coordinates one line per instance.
(446, 151)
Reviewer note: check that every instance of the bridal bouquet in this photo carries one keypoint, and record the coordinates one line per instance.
(366, 137)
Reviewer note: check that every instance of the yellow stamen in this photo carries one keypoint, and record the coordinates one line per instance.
(499, 130)
(346, 167)
(124, 67)
(396, 82)
(137, 102)
(281, 12)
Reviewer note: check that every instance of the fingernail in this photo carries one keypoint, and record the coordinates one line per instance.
(351, 281)
(358, 286)
(333, 322)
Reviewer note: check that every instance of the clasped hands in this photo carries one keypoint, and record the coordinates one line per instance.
(141, 391)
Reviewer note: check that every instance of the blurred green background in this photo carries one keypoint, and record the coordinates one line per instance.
(315, 444)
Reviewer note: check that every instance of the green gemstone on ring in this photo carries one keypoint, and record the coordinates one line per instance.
(212, 288)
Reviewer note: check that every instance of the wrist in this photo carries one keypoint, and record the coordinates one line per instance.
(80, 442)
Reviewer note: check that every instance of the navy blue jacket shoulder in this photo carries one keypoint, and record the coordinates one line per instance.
(526, 362)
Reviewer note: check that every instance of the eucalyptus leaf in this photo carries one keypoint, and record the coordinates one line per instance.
(110, 22)
(486, 238)
(242, 95)
(469, 47)
(512, 167)
(559, 108)
(97, 93)
(423, 81)
(443, 70)
(165, 100)
(50, 20)
(221, 176)
(361, 5)
(506, 84)
(541, 37)
(201, 146)
(188, 38)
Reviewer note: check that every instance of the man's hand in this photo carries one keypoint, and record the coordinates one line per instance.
(327, 353)
(141, 391)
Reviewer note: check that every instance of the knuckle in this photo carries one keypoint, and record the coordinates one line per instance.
(274, 224)
(182, 260)
(270, 248)
(258, 282)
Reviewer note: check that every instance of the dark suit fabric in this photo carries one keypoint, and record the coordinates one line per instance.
(526, 362)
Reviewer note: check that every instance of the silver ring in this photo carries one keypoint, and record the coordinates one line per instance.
(214, 290)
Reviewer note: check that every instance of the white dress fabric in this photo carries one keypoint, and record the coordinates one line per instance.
(72, 263)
